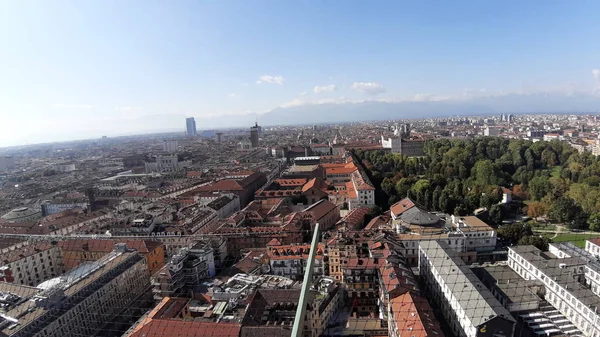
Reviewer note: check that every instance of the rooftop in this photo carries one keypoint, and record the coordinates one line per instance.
(478, 303)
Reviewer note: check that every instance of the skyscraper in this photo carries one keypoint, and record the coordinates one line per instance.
(190, 126)
(254, 135)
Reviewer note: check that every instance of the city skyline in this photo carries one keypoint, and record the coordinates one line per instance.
(69, 76)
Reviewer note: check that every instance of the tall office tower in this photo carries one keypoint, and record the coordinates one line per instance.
(190, 126)
(219, 135)
(254, 135)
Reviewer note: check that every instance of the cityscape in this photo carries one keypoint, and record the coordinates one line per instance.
(280, 168)
(460, 226)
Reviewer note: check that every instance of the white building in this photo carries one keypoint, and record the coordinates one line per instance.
(170, 145)
(166, 164)
(468, 306)
(559, 274)
(184, 271)
(395, 144)
(56, 206)
(490, 131)
(479, 236)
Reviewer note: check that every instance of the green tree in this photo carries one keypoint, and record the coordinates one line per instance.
(549, 157)
(537, 241)
(565, 210)
(512, 233)
(402, 187)
(539, 187)
(483, 171)
(388, 186)
(594, 222)
(496, 215)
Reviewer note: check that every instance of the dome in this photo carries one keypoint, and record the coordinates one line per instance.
(22, 214)
(416, 216)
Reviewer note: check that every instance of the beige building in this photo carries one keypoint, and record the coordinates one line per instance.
(82, 301)
(32, 264)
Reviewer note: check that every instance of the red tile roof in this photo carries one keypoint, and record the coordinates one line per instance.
(181, 328)
(291, 182)
(402, 206)
(315, 183)
(355, 218)
(413, 316)
(321, 208)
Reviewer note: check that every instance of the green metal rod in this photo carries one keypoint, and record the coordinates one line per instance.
(301, 310)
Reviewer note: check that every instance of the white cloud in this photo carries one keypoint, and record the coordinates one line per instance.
(293, 103)
(369, 88)
(325, 88)
(128, 108)
(231, 95)
(596, 73)
(270, 79)
(73, 106)
(303, 93)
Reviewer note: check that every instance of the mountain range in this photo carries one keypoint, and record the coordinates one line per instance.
(376, 110)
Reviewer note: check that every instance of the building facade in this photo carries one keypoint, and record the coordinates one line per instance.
(184, 271)
(562, 275)
(82, 301)
(33, 264)
(468, 306)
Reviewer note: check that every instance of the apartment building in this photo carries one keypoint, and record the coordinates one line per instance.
(184, 271)
(75, 252)
(271, 312)
(562, 272)
(339, 250)
(362, 284)
(32, 264)
(82, 301)
(467, 305)
(291, 260)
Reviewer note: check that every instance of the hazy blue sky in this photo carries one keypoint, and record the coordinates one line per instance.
(70, 69)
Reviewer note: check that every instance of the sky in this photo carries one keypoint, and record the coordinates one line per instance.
(81, 69)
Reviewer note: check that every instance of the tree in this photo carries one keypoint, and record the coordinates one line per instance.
(537, 241)
(402, 187)
(388, 186)
(565, 210)
(549, 157)
(594, 222)
(536, 209)
(519, 192)
(512, 233)
(483, 171)
(496, 215)
(539, 187)
(460, 210)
